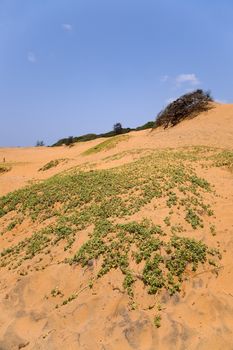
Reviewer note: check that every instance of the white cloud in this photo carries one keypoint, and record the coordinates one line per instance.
(31, 57)
(67, 27)
(187, 78)
(164, 78)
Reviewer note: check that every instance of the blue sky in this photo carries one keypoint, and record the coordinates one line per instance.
(70, 67)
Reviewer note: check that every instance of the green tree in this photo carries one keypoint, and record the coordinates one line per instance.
(117, 128)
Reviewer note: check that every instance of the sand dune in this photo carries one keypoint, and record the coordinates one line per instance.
(200, 317)
(213, 128)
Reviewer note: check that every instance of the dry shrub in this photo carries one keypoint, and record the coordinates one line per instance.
(187, 106)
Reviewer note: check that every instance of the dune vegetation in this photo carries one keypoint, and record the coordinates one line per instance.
(107, 201)
(4, 168)
(52, 164)
(106, 145)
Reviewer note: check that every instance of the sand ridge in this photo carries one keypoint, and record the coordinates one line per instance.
(213, 128)
(100, 318)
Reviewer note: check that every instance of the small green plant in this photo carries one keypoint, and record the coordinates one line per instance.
(167, 221)
(157, 321)
(128, 282)
(12, 225)
(177, 228)
(91, 284)
(213, 229)
(193, 218)
(56, 292)
(69, 299)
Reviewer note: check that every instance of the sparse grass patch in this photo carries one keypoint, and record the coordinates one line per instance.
(53, 164)
(4, 168)
(106, 145)
(223, 159)
(133, 152)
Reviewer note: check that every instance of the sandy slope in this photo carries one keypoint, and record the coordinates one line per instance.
(201, 317)
(212, 128)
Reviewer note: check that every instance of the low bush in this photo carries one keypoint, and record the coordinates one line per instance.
(4, 169)
(187, 106)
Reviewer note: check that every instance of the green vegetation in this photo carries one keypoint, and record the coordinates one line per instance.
(165, 262)
(134, 152)
(89, 137)
(109, 193)
(56, 292)
(105, 201)
(69, 299)
(157, 321)
(213, 229)
(106, 145)
(148, 125)
(53, 164)
(224, 159)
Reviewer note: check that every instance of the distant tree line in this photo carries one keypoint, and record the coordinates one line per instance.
(117, 130)
(39, 143)
(186, 106)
